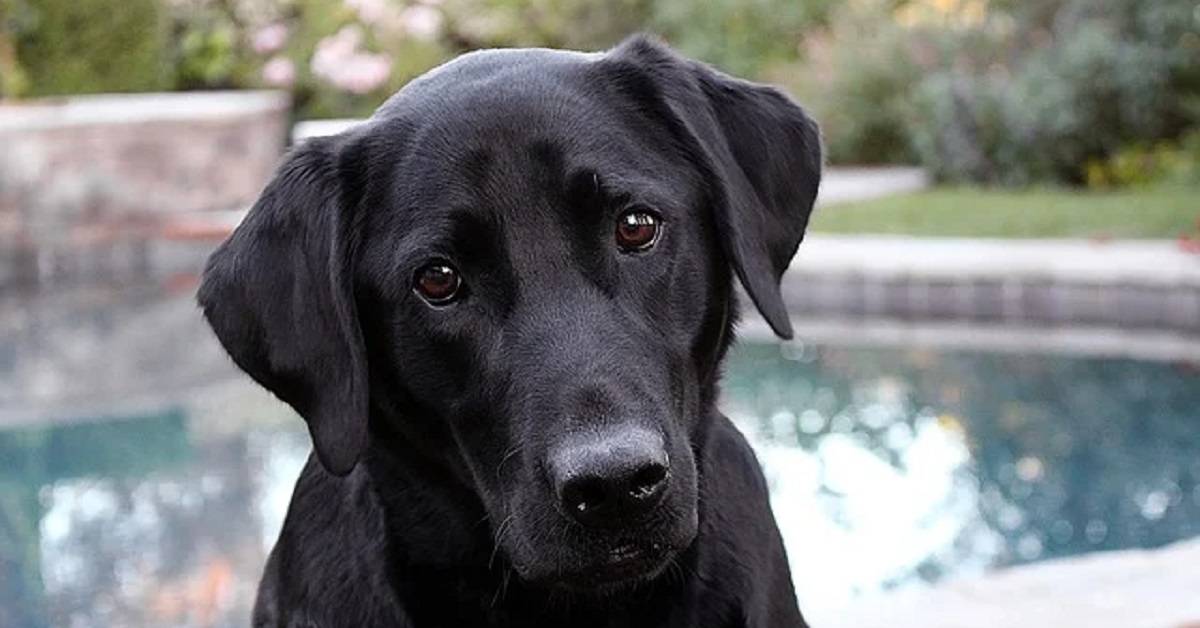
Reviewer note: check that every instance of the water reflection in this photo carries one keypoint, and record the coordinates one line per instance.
(896, 466)
(139, 520)
(887, 467)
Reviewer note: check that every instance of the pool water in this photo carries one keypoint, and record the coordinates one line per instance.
(897, 466)
(142, 480)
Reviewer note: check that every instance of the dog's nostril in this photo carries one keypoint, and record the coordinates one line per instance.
(584, 496)
(646, 482)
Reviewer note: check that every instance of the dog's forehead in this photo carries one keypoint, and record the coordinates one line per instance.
(487, 87)
(511, 125)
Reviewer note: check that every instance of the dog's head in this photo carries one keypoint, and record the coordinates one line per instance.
(522, 264)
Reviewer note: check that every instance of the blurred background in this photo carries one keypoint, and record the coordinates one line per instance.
(992, 410)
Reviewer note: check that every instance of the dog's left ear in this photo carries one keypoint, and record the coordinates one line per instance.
(762, 151)
(279, 294)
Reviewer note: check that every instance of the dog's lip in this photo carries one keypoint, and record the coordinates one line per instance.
(626, 552)
(624, 562)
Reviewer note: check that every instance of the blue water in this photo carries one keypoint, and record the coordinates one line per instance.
(142, 480)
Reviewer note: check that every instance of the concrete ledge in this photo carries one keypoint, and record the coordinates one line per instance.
(1080, 341)
(319, 128)
(1129, 285)
(108, 109)
(847, 185)
(1146, 589)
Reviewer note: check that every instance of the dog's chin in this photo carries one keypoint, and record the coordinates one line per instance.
(623, 565)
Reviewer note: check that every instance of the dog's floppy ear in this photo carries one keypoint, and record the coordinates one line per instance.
(279, 294)
(763, 153)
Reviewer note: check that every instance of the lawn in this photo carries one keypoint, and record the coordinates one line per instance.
(965, 212)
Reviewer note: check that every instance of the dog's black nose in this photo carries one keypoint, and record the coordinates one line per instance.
(611, 479)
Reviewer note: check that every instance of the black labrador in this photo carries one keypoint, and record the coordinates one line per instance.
(501, 306)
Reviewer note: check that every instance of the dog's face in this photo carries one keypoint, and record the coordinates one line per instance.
(548, 285)
(522, 265)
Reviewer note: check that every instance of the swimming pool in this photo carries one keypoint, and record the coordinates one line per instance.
(142, 480)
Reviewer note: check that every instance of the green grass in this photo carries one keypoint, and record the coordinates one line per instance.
(965, 212)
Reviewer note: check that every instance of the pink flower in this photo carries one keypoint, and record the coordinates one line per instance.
(369, 11)
(279, 72)
(421, 21)
(336, 50)
(364, 73)
(270, 39)
(339, 61)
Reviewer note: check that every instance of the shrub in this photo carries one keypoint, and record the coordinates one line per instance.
(91, 46)
(14, 18)
(579, 24)
(856, 77)
(744, 37)
(1141, 165)
(337, 58)
(1106, 74)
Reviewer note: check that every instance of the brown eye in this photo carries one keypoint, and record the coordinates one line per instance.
(637, 230)
(437, 283)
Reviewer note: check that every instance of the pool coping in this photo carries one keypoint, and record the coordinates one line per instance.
(1149, 285)
(1071, 341)
(1146, 588)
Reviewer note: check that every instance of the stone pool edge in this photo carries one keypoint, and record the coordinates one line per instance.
(1118, 589)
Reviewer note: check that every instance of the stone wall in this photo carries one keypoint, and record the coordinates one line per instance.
(86, 183)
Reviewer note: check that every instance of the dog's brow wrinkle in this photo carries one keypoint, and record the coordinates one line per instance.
(476, 166)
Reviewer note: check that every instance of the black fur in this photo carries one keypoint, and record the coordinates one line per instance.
(435, 496)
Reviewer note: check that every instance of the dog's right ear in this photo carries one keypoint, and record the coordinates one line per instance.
(279, 293)
(760, 151)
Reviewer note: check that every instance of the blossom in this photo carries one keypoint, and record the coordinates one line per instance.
(279, 72)
(335, 50)
(421, 21)
(369, 11)
(270, 39)
(339, 61)
(364, 73)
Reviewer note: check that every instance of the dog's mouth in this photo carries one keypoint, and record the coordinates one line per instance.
(625, 563)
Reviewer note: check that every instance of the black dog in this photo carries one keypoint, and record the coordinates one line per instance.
(501, 305)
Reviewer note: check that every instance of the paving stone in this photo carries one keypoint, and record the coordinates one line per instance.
(1140, 306)
(1182, 309)
(1146, 589)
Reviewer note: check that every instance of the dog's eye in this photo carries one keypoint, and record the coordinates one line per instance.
(437, 283)
(637, 230)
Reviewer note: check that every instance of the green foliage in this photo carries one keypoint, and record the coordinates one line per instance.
(1099, 76)
(1006, 92)
(207, 54)
(856, 78)
(578, 24)
(743, 37)
(92, 46)
(1142, 165)
(14, 18)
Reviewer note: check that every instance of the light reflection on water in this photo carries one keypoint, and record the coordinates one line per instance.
(897, 466)
(887, 467)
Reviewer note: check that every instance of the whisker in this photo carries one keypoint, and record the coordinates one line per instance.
(500, 531)
(512, 452)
